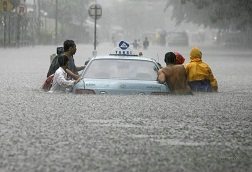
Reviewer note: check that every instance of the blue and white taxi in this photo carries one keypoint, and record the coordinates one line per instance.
(121, 72)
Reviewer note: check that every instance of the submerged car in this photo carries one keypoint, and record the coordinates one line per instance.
(178, 38)
(121, 72)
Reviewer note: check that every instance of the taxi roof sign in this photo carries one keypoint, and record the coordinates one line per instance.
(123, 45)
(123, 50)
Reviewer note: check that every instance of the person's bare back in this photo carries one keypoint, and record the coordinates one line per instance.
(175, 78)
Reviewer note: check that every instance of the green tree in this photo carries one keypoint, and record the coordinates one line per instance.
(220, 14)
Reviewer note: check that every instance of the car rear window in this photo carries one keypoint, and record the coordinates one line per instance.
(121, 69)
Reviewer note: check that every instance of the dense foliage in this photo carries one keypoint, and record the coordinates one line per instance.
(221, 14)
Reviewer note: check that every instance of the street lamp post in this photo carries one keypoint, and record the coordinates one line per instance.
(95, 11)
(33, 22)
(56, 22)
(45, 15)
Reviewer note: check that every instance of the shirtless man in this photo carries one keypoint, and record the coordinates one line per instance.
(174, 75)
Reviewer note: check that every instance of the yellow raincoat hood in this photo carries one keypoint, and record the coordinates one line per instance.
(195, 54)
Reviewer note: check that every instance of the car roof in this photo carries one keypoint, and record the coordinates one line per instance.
(123, 52)
(128, 57)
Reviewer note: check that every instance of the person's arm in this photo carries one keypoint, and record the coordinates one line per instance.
(76, 81)
(161, 76)
(212, 80)
(72, 74)
(80, 68)
(215, 88)
(66, 83)
(61, 80)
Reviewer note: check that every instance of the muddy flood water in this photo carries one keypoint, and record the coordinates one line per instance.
(67, 132)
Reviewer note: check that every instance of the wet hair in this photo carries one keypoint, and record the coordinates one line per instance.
(170, 57)
(68, 44)
(63, 59)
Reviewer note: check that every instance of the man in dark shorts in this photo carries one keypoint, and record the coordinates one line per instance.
(174, 75)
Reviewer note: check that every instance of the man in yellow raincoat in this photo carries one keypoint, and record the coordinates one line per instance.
(199, 75)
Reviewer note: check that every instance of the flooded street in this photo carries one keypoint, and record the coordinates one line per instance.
(67, 132)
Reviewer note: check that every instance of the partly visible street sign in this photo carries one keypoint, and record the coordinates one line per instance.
(5, 6)
(95, 11)
(21, 9)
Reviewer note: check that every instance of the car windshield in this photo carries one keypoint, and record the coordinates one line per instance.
(126, 69)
